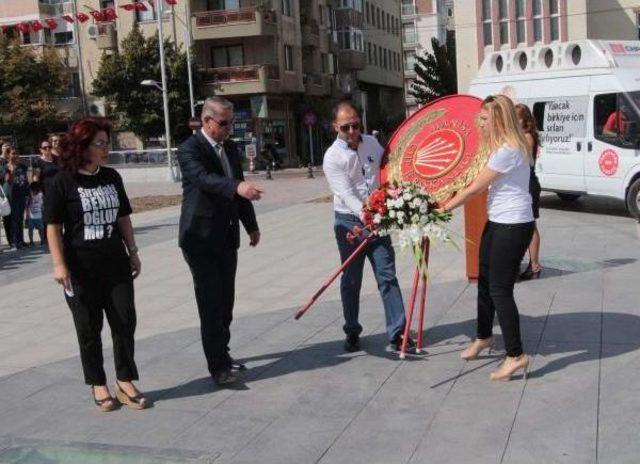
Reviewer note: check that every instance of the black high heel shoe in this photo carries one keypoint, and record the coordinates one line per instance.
(530, 274)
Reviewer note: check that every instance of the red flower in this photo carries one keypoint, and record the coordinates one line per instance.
(367, 218)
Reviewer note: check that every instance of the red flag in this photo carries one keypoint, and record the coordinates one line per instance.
(36, 26)
(172, 2)
(6, 27)
(68, 18)
(97, 15)
(82, 17)
(51, 23)
(109, 14)
(141, 6)
(23, 27)
(129, 6)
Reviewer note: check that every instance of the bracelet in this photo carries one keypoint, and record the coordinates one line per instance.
(133, 250)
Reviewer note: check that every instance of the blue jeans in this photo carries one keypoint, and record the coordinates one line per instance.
(382, 257)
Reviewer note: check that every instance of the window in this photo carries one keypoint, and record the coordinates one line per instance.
(408, 7)
(521, 21)
(616, 120)
(388, 23)
(369, 52)
(537, 20)
(386, 58)
(104, 4)
(355, 4)
(409, 60)
(378, 18)
(288, 58)
(224, 57)
(72, 88)
(503, 17)
(486, 23)
(380, 60)
(150, 14)
(350, 38)
(324, 63)
(638, 23)
(368, 12)
(554, 17)
(286, 8)
(375, 54)
(63, 38)
(321, 14)
(409, 33)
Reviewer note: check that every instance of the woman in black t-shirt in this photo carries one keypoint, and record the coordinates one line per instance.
(95, 257)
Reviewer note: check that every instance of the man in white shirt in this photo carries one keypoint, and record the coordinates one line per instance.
(352, 167)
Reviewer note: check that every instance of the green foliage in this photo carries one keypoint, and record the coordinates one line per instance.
(29, 83)
(138, 108)
(436, 72)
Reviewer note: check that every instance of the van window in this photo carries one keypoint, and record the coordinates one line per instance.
(538, 115)
(616, 118)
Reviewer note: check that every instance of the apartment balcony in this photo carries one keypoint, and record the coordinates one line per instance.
(310, 34)
(68, 55)
(242, 80)
(316, 84)
(351, 60)
(248, 21)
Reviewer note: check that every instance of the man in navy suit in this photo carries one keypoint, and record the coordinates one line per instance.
(215, 199)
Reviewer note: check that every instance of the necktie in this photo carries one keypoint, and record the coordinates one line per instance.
(226, 167)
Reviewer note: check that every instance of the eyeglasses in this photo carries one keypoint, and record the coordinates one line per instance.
(46, 147)
(224, 122)
(353, 126)
(101, 144)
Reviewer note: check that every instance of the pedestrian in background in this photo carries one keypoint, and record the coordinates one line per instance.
(34, 213)
(528, 125)
(17, 179)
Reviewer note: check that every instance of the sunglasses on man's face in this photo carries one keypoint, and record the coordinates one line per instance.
(45, 147)
(353, 126)
(224, 122)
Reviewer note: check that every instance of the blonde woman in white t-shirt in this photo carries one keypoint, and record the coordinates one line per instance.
(506, 235)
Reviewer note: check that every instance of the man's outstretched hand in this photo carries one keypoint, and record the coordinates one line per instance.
(249, 190)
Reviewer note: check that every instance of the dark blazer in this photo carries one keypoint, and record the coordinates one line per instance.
(211, 208)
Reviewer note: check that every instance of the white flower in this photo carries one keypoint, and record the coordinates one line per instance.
(415, 219)
(392, 213)
(377, 218)
(400, 216)
(423, 208)
(406, 196)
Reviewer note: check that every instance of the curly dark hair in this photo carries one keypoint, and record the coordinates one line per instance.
(76, 143)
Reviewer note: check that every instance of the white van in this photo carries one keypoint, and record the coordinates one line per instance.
(585, 97)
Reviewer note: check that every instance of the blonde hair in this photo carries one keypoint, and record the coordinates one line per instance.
(505, 128)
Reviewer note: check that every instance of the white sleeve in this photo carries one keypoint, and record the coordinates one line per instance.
(336, 174)
(503, 160)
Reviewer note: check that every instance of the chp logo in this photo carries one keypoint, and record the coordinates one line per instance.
(608, 162)
(437, 154)
(618, 48)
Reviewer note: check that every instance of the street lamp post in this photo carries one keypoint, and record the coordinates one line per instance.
(165, 96)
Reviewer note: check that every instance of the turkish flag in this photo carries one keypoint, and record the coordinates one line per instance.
(141, 6)
(97, 15)
(109, 14)
(23, 27)
(172, 2)
(83, 18)
(51, 23)
(36, 26)
(68, 18)
(129, 6)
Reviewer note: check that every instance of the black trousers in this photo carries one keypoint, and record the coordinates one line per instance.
(214, 277)
(108, 288)
(501, 250)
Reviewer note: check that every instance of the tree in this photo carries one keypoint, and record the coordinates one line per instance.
(29, 84)
(436, 72)
(138, 108)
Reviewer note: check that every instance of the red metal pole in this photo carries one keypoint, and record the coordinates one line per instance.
(423, 297)
(333, 277)
(412, 301)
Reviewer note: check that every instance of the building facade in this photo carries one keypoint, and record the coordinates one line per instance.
(422, 20)
(274, 59)
(486, 26)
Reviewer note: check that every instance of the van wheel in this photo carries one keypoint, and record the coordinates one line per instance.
(568, 197)
(633, 199)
